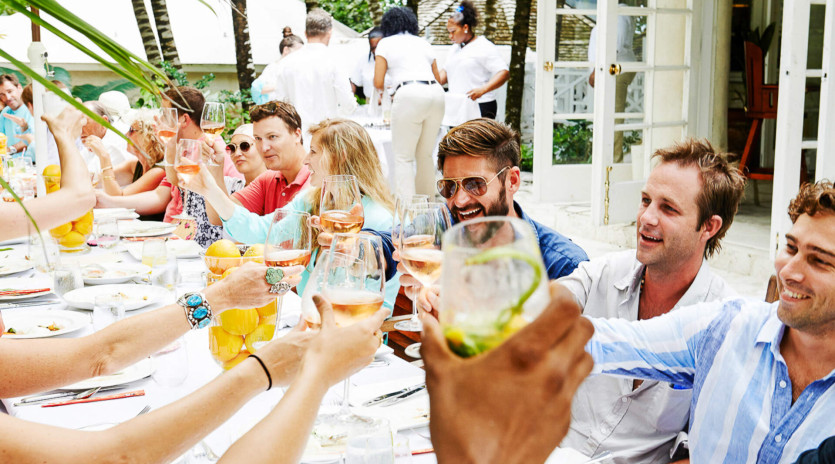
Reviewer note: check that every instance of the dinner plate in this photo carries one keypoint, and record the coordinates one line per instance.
(25, 283)
(130, 374)
(14, 265)
(133, 296)
(115, 213)
(145, 228)
(14, 241)
(113, 273)
(33, 323)
(176, 248)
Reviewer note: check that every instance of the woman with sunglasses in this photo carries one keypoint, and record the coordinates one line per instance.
(244, 153)
(143, 172)
(338, 147)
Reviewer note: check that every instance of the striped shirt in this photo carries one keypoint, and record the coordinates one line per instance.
(729, 354)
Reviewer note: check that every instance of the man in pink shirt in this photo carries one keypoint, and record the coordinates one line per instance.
(278, 135)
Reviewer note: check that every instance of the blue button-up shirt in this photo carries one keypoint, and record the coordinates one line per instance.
(560, 255)
(729, 354)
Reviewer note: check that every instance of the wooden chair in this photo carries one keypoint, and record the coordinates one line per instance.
(761, 103)
(398, 340)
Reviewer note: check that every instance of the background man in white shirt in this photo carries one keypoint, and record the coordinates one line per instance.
(311, 80)
(687, 205)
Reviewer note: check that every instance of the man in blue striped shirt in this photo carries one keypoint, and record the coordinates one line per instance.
(761, 374)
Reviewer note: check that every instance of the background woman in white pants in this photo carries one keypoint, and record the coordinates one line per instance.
(418, 106)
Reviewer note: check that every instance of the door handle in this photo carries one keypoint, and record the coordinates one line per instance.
(548, 66)
(614, 69)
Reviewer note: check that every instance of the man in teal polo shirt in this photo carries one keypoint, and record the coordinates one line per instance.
(10, 92)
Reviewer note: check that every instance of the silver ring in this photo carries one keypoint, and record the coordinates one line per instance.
(280, 288)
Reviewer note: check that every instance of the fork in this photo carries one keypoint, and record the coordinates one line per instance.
(144, 410)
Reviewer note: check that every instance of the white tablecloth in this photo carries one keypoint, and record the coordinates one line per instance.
(202, 369)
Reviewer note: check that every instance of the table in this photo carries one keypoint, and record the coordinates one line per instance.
(202, 368)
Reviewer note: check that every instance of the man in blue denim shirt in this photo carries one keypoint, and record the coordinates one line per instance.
(480, 164)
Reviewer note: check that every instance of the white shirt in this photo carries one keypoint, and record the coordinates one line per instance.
(363, 76)
(472, 66)
(408, 58)
(311, 80)
(606, 414)
(268, 77)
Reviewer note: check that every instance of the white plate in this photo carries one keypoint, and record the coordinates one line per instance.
(30, 323)
(133, 296)
(113, 273)
(132, 373)
(177, 248)
(25, 283)
(117, 213)
(13, 241)
(145, 228)
(14, 265)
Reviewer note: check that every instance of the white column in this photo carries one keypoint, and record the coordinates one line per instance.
(825, 164)
(790, 107)
(36, 54)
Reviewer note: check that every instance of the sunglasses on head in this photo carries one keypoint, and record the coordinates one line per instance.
(474, 185)
(232, 148)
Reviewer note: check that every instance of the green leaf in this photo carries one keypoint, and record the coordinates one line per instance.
(87, 92)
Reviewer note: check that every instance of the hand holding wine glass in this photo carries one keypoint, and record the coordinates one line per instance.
(341, 205)
(213, 121)
(287, 249)
(167, 126)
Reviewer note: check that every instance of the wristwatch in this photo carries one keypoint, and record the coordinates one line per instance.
(197, 308)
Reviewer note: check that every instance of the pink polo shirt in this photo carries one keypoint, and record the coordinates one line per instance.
(270, 191)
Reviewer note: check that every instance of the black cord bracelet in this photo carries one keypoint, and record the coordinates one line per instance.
(266, 371)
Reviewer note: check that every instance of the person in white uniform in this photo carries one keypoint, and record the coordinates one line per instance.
(473, 69)
(263, 88)
(687, 206)
(311, 79)
(418, 105)
(362, 79)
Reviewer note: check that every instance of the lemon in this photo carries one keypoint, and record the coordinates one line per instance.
(256, 250)
(83, 228)
(53, 170)
(268, 310)
(227, 272)
(223, 345)
(239, 321)
(72, 240)
(61, 230)
(222, 255)
(237, 360)
(52, 187)
(266, 320)
(262, 333)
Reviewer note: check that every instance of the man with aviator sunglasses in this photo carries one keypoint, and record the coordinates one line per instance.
(480, 164)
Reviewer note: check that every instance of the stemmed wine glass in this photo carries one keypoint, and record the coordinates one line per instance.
(421, 234)
(187, 163)
(341, 205)
(288, 249)
(493, 282)
(213, 119)
(168, 125)
(353, 281)
(400, 208)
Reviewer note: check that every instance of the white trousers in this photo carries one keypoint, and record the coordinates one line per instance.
(416, 115)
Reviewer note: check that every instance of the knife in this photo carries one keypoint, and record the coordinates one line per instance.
(28, 303)
(93, 400)
(394, 400)
(393, 395)
(52, 396)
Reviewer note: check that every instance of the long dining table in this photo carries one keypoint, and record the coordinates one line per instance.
(388, 373)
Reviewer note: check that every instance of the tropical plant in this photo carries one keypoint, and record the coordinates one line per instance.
(572, 143)
(87, 92)
(243, 51)
(518, 50)
(526, 160)
(149, 38)
(166, 35)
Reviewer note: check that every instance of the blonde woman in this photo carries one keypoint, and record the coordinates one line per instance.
(140, 174)
(337, 147)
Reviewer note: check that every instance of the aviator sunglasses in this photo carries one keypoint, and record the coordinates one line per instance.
(474, 185)
(232, 148)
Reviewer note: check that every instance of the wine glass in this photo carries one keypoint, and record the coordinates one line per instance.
(288, 248)
(400, 206)
(493, 282)
(213, 120)
(422, 230)
(187, 164)
(354, 283)
(341, 205)
(168, 124)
